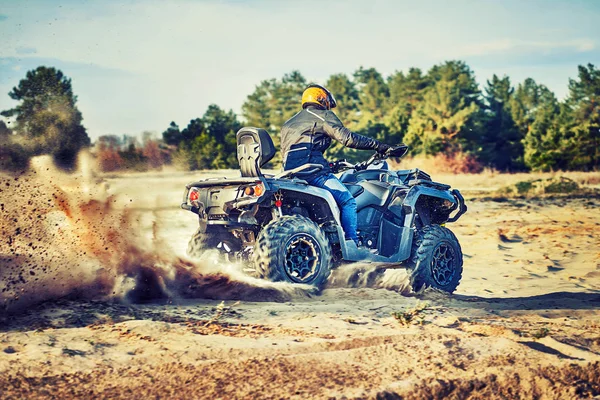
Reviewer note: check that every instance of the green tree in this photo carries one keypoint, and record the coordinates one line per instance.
(446, 119)
(4, 131)
(536, 114)
(194, 129)
(272, 103)
(172, 136)
(346, 97)
(500, 141)
(210, 142)
(526, 100)
(544, 140)
(562, 136)
(257, 107)
(13, 156)
(406, 92)
(288, 95)
(373, 93)
(222, 126)
(459, 72)
(47, 115)
(582, 119)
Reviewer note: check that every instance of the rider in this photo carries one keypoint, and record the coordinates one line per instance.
(305, 137)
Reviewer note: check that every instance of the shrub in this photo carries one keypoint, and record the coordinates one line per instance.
(454, 163)
(537, 187)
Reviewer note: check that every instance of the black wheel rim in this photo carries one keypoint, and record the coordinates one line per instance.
(443, 264)
(302, 253)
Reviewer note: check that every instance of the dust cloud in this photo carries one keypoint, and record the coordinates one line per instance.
(63, 235)
(366, 275)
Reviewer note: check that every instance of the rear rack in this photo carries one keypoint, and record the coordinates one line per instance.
(222, 182)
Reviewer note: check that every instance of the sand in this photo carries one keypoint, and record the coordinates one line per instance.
(524, 322)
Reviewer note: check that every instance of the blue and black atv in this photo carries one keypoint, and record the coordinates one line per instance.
(287, 230)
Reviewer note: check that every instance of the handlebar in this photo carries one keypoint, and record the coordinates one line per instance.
(340, 166)
(343, 165)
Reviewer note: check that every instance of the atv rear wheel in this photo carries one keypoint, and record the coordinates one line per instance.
(293, 249)
(436, 260)
(200, 242)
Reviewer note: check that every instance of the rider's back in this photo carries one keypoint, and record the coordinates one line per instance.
(303, 138)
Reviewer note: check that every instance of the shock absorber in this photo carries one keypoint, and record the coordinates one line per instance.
(278, 202)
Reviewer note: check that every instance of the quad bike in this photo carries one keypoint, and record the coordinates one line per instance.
(287, 230)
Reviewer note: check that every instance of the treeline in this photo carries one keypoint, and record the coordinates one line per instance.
(207, 142)
(115, 153)
(441, 113)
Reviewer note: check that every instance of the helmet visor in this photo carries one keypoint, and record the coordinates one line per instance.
(332, 101)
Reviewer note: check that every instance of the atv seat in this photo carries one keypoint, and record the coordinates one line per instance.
(254, 149)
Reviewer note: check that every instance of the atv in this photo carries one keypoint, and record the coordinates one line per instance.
(286, 230)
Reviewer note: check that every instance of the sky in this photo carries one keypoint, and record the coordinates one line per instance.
(138, 65)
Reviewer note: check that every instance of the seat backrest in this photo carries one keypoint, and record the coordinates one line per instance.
(254, 149)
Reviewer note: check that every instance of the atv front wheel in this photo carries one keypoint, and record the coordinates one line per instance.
(200, 242)
(436, 260)
(293, 249)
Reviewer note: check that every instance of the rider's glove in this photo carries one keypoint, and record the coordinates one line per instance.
(382, 148)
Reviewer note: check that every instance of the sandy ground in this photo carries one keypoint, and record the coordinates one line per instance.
(524, 322)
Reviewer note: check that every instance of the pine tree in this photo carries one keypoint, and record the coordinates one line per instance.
(47, 115)
(373, 93)
(500, 141)
(172, 136)
(210, 141)
(444, 121)
(582, 138)
(544, 141)
(406, 92)
(346, 97)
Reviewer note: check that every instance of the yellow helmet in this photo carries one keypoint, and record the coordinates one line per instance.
(319, 96)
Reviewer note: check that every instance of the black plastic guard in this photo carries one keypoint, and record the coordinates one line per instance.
(462, 207)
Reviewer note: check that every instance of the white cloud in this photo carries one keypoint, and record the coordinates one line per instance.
(522, 46)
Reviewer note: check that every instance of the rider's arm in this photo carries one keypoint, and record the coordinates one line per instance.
(334, 128)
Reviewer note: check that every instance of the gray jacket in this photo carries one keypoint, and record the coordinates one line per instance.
(306, 135)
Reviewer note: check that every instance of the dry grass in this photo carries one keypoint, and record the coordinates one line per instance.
(490, 181)
(413, 316)
(456, 163)
(540, 333)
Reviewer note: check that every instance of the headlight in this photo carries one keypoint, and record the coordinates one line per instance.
(447, 204)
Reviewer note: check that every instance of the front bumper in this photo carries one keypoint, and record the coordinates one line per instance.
(462, 207)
